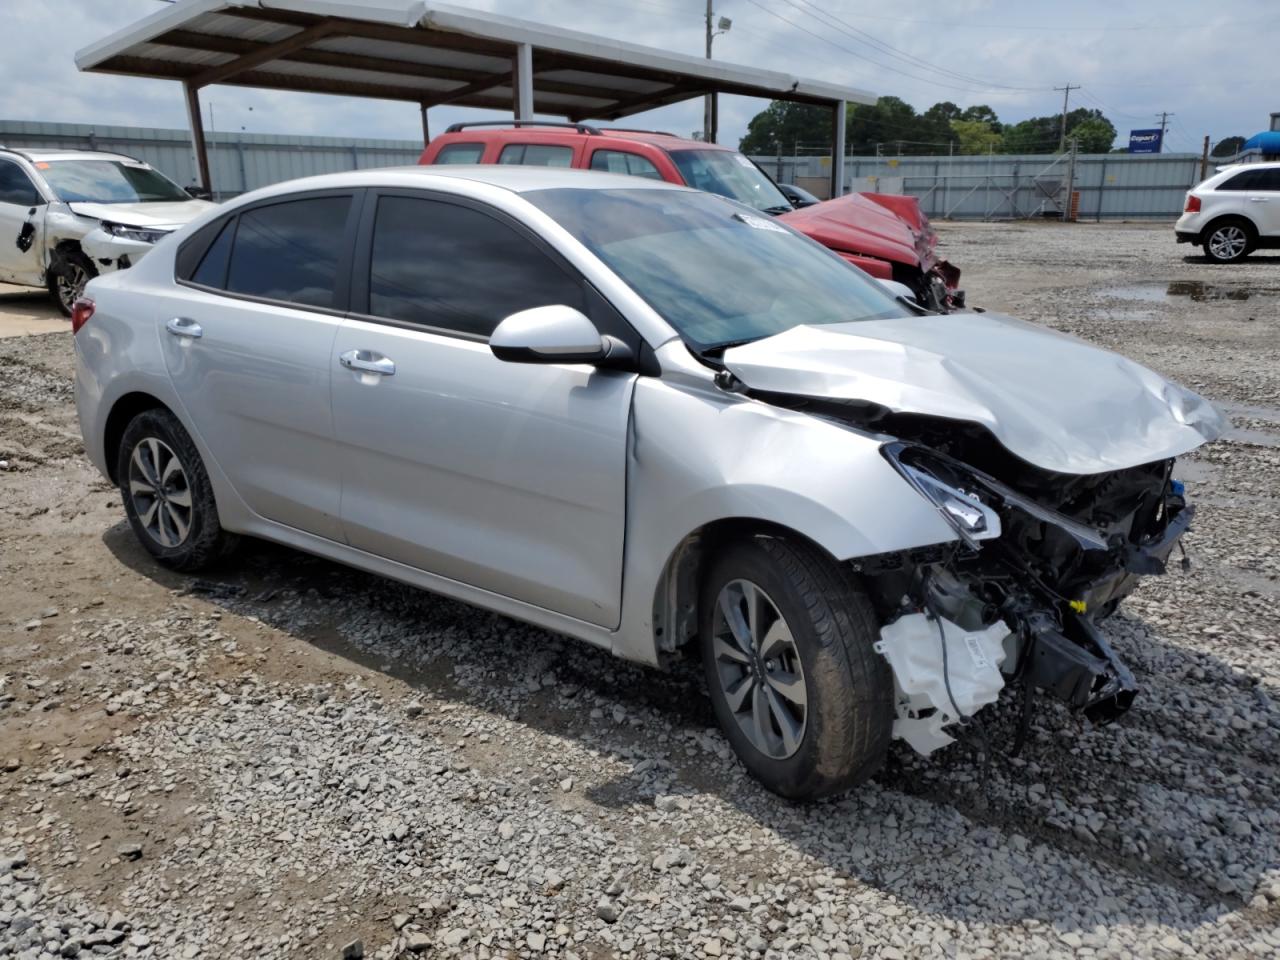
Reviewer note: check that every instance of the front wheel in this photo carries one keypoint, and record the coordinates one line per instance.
(797, 688)
(67, 279)
(1227, 242)
(167, 494)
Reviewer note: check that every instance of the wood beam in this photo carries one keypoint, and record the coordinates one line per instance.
(265, 53)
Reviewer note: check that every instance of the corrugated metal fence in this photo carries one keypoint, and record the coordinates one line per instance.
(238, 161)
(1110, 186)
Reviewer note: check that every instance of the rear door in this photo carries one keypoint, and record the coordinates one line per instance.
(508, 477)
(20, 204)
(1264, 201)
(248, 337)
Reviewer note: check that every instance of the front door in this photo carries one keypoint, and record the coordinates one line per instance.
(248, 338)
(508, 477)
(21, 246)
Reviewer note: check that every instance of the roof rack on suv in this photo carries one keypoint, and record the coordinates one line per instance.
(660, 133)
(22, 153)
(580, 127)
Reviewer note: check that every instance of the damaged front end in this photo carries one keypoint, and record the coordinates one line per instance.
(1039, 560)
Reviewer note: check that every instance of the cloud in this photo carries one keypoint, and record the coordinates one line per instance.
(1145, 57)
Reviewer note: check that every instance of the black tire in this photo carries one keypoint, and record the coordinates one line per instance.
(64, 278)
(204, 542)
(848, 686)
(1228, 240)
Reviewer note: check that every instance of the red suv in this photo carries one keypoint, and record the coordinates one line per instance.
(887, 236)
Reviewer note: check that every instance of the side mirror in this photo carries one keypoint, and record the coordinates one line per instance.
(555, 334)
(199, 193)
(900, 291)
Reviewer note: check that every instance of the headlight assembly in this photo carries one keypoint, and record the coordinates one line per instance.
(137, 234)
(972, 519)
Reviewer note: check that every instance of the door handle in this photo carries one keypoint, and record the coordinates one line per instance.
(1259, 199)
(368, 361)
(184, 327)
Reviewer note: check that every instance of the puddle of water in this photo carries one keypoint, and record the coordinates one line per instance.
(1196, 290)
(1249, 410)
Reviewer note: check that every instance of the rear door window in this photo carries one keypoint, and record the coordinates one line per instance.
(457, 269)
(537, 155)
(621, 161)
(1268, 180)
(1245, 180)
(16, 187)
(290, 251)
(212, 271)
(460, 153)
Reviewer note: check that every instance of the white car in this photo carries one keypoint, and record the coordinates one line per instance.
(1234, 212)
(69, 215)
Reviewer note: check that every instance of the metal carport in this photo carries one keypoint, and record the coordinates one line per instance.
(430, 54)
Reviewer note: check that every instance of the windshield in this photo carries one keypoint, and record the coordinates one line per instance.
(109, 181)
(730, 175)
(720, 273)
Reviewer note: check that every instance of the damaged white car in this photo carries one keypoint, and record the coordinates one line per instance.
(68, 215)
(652, 419)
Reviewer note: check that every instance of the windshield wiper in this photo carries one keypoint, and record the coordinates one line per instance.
(723, 345)
(779, 209)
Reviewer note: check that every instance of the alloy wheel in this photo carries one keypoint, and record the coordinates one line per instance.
(759, 669)
(71, 282)
(1228, 242)
(160, 492)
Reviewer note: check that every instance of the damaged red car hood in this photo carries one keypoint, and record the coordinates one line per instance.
(855, 224)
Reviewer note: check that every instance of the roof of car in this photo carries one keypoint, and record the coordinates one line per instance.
(49, 155)
(512, 177)
(656, 137)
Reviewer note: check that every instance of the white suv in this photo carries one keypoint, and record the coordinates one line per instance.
(68, 215)
(1234, 212)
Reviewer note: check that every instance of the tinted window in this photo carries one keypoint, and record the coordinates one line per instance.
(619, 161)
(212, 271)
(536, 155)
(1245, 180)
(16, 186)
(290, 251)
(460, 153)
(1267, 180)
(717, 271)
(447, 266)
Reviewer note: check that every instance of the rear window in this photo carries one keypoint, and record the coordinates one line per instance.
(536, 155)
(620, 161)
(460, 153)
(289, 251)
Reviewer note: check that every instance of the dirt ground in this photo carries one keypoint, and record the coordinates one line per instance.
(290, 758)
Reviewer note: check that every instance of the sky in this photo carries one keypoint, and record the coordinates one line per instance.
(1207, 64)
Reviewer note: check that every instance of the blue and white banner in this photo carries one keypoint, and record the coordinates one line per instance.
(1145, 141)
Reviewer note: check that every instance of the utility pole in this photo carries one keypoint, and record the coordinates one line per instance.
(709, 101)
(1164, 122)
(1062, 132)
(1204, 158)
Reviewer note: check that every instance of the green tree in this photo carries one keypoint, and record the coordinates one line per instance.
(1227, 147)
(1094, 135)
(786, 123)
(975, 136)
(982, 113)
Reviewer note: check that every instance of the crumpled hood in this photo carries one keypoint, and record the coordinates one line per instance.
(159, 216)
(1053, 400)
(855, 224)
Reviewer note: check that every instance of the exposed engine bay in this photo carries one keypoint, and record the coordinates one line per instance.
(1041, 557)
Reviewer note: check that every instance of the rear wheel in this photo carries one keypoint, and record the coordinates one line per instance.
(802, 697)
(1228, 241)
(167, 494)
(67, 278)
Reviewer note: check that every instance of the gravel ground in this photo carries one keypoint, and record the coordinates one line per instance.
(294, 759)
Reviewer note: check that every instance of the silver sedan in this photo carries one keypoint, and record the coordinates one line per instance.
(655, 420)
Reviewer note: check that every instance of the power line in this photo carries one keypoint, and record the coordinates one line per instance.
(862, 36)
(861, 54)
